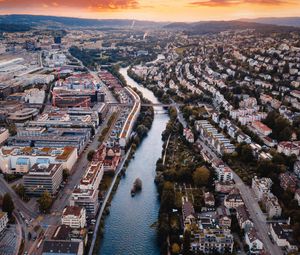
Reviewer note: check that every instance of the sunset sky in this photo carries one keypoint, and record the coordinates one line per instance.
(158, 10)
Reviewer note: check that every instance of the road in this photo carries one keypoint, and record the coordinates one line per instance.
(255, 212)
(19, 204)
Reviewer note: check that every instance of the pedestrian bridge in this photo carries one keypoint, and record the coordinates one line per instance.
(146, 104)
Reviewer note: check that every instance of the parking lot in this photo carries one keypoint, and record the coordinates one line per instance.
(8, 241)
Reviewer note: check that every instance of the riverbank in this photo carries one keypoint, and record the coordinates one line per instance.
(136, 215)
(140, 130)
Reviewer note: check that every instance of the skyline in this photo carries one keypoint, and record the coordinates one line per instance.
(155, 10)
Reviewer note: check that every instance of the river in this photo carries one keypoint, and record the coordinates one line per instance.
(128, 228)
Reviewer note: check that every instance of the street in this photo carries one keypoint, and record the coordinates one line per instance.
(254, 210)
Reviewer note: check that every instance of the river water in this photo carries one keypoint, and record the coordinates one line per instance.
(128, 228)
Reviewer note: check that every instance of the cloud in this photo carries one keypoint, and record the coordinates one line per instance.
(227, 3)
(95, 5)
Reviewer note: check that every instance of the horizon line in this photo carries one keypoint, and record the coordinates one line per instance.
(155, 21)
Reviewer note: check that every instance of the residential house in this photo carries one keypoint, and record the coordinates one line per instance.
(261, 186)
(233, 199)
(288, 181)
(243, 218)
(282, 236)
(209, 199)
(254, 243)
(297, 196)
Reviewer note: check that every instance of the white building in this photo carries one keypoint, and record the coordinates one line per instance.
(14, 159)
(74, 216)
(261, 186)
(3, 221)
(4, 134)
(254, 243)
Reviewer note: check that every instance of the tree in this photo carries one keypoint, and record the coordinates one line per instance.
(167, 197)
(66, 174)
(245, 153)
(90, 155)
(20, 190)
(8, 204)
(175, 248)
(201, 176)
(142, 130)
(186, 243)
(45, 202)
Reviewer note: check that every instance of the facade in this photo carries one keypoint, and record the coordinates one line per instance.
(243, 218)
(224, 217)
(42, 178)
(216, 140)
(61, 247)
(3, 221)
(188, 134)
(86, 193)
(261, 128)
(53, 137)
(254, 243)
(282, 236)
(289, 148)
(4, 134)
(74, 217)
(210, 241)
(297, 169)
(272, 205)
(23, 115)
(261, 186)
(233, 199)
(209, 199)
(288, 181)
(87, 199)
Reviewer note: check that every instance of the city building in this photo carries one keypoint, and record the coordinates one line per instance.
(243, 218)
(289, 148)
(255, 244)
(14, 159)
(3, 221)
(40, 136)
(4, 134)
(209, 199)
(297, 196)
(62, 247)
(233, 199)
(43, 177)
(282, 236)
(261, 186)
(272, 205)
(86, 193)
(212, 240)
(74, 217)
(224, 217)
(261, 128)
(288, 181)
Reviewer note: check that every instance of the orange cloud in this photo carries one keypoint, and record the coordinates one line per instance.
(227, 3)
(100, 5)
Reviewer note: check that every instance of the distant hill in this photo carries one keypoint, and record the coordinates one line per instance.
(288, 21)
(4, 27)
(219, 26)
(59, 22)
